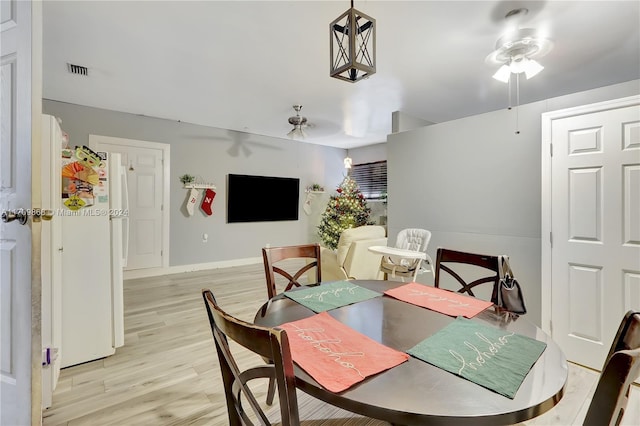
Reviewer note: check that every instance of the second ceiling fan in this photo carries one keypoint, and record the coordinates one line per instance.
(299, 123)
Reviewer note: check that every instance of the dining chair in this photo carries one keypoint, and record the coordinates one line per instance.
(273, 255)
(310, 253)
(270, 343)
(414, 239)
(446, 259)
(621, 368)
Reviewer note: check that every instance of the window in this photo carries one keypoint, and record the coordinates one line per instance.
(372, 179)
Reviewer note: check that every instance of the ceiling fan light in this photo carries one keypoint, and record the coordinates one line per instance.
(532, 68)
(297, 121)
(517, 64)
(297, 133)
(503, 74)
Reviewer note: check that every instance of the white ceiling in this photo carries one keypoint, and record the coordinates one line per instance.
(241, 65)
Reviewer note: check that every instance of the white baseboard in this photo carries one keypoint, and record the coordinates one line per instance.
(154, 272)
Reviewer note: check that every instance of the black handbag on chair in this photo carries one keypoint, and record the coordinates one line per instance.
(509, 294)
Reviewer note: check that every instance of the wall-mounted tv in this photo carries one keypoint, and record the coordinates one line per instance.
(262, 198)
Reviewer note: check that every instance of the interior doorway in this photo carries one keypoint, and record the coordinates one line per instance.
(147, 166)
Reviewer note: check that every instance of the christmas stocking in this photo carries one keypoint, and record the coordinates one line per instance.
(191, 200)
(307, 203)
(207, 201)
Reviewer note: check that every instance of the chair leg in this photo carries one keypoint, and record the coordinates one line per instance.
(415, 273)
(271, 390)
(432, 267)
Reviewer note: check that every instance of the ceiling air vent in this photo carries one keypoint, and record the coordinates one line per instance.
(77, 69)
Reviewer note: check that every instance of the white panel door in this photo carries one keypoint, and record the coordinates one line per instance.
(145, 179)
(50, 167)
(16, 353)
(595, 261)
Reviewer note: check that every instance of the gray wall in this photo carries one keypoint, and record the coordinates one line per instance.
(402, 122)
(477, 186)
(209, 153)
(369, 153)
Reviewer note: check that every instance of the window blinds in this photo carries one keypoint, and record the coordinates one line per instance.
(371, 178)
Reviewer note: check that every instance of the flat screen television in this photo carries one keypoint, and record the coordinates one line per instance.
(262, 198)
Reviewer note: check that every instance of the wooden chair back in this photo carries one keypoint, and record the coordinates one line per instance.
(620, 369)
(270, 343)
(446, 259)
(273, 255)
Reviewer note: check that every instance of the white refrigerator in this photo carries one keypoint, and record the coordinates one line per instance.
(91, 219)
(94, 240)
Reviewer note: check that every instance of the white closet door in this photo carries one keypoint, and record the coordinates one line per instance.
(595, 199)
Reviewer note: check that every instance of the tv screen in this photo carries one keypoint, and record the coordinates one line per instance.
(262, 198)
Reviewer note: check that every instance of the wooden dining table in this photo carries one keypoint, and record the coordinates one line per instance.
(416, 392)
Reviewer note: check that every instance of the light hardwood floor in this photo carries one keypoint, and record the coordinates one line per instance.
(167, 372)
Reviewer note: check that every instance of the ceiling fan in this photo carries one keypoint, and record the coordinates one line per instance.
(241, 142)
(298, 122)
(517, 50)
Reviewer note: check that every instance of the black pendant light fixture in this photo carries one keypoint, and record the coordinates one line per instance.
(353, 46)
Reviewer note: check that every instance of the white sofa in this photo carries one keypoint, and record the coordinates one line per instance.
(352, 259)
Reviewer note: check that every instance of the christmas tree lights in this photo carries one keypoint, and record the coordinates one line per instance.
(347, 209)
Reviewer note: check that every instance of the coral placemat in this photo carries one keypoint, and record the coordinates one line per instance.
(440, 300)
(335, 355)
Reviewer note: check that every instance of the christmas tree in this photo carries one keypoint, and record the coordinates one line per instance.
(347, 209)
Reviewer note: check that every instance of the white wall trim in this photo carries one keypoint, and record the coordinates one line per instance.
(166, 172)
(154, 272)
(546, 225)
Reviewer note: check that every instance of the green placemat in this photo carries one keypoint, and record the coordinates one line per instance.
(491, 357)
(330, 296)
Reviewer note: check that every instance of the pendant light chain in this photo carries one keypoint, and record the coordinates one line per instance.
(509, 94)
(517, 103)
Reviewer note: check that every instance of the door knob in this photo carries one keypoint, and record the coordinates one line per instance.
(22, 215)
(10, 215)
(42, 214)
